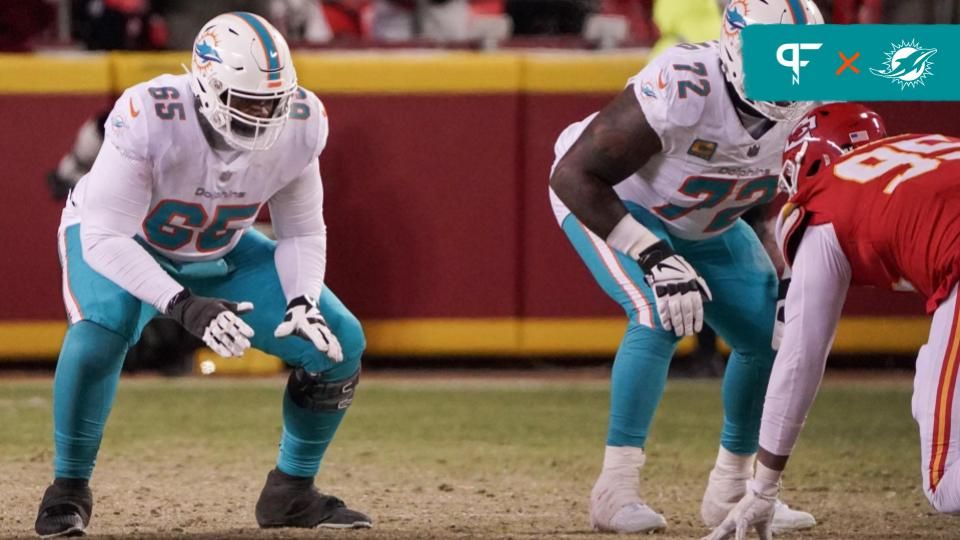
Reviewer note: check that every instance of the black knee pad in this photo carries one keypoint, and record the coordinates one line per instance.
(310, 391)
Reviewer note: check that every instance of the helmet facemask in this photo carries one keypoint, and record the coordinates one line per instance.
(246, 131)
(790, 171)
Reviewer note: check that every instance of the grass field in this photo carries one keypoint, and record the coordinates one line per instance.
(456, 457)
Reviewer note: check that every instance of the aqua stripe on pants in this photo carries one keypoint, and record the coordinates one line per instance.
(744, 286)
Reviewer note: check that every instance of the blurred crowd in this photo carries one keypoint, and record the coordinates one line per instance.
(172, 24)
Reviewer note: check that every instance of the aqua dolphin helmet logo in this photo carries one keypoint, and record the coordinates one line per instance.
(907, 64)
(735, 17)
(207, 52)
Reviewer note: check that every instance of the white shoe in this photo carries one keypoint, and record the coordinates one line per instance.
(723, 493)
(786, 519)
(636, 517)
(615, 503)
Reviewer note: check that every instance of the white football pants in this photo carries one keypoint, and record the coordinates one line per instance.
(937, 409)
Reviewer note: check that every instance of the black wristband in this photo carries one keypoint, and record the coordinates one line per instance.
(302, 301)
(652, 256)
(176, 301)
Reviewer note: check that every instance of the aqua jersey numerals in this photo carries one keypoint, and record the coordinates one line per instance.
(713, 192)
(298, 109)
(700, 88)
(166, 107)
(756, 192)
(173, 224)
(170, 225)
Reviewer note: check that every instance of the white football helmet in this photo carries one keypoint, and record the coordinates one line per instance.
(239, 58)
(740, 13)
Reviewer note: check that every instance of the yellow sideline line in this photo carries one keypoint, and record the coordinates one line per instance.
(579, 73)
(409, 73)
(508, 337)
(55, 74)
(358, 72)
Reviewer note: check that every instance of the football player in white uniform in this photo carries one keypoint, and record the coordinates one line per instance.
(161, 225)
(649, 192)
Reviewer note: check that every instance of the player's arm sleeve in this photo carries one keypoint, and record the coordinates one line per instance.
(818, 287)
(297, 215)
(115, 203)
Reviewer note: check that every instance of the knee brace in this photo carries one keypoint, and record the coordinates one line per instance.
(310, 391)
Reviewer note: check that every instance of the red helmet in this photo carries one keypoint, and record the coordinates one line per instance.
(824, 134)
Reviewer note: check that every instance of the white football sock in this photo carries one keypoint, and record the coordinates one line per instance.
(730, 464)
(623, 457)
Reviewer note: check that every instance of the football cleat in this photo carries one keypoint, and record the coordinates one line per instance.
(293, 501)
(635, 517)
(786, 519)
(615, 503)
(65, 509)
(723, 493)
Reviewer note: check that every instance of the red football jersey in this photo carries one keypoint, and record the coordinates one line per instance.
(895, 206)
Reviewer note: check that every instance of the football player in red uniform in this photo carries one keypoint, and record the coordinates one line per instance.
(864, 209)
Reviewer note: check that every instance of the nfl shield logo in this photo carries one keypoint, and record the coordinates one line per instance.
(753, 150)
(225, 176)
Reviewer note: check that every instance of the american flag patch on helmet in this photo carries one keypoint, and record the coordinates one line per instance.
(859, 136)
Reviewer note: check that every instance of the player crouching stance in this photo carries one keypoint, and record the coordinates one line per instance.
(649, 191)
(863, 210)
(161, 224)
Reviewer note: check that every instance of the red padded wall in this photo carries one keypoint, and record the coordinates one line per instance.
(36, 132)
(421, 205)
(436, 204)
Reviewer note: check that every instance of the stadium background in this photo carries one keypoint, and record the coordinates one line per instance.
(442, 238)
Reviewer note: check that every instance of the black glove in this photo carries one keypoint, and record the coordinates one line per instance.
(214, 321)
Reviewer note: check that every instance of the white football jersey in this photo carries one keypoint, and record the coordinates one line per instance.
(201, 199)
(710, 170)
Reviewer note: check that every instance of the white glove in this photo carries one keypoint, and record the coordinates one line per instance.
(678, 288)
(755, 510)
(214, 321)
(227, 334)
(303, 320)
(779, 320)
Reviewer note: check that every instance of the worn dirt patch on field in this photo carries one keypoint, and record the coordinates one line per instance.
(435, 458)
